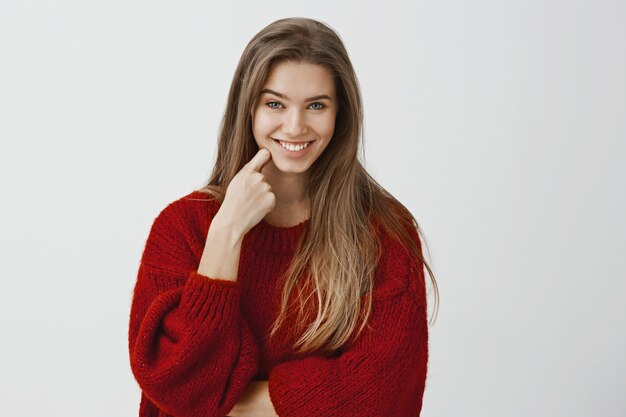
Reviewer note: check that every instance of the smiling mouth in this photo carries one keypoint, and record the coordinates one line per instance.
(292, 142)
(296, 148)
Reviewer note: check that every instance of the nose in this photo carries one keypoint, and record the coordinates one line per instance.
(294, 124)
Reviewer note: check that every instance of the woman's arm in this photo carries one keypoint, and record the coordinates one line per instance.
(222, 250)
(191, 351)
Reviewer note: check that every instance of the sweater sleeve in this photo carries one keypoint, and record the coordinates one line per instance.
(191, 351)
(383, 373)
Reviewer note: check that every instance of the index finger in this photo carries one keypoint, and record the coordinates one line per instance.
(259, 160)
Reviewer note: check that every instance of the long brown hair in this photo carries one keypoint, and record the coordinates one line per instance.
(336, 258)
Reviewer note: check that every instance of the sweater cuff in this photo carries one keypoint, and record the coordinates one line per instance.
(210, 299)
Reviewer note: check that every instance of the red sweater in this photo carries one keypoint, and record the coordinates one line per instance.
(196, 342)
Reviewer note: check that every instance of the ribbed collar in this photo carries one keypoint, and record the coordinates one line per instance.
(276, 239)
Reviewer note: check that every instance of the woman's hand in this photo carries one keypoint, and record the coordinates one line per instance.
(255, 402)
(248, 197)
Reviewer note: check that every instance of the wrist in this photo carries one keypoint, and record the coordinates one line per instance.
(226, 230)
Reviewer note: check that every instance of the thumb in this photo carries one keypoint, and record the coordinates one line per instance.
(259, 160)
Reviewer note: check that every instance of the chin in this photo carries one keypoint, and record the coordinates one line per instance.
(291, 168)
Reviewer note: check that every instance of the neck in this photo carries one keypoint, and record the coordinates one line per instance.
(292, 200)
(289, 188)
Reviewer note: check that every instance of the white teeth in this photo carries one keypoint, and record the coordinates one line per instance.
(294, 148)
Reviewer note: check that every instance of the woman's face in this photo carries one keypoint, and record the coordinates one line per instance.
(297, 105)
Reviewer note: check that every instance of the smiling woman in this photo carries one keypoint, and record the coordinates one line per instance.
(292, 283)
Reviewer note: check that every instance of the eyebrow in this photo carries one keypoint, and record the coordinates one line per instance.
(276, 93)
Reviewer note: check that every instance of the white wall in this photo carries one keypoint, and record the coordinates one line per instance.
(500, 124)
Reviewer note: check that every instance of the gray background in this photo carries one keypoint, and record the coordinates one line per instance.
(499, 124)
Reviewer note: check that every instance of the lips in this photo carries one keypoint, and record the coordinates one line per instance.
(293, 142)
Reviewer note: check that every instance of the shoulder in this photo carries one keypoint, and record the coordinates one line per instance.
(399, 269)
(177, 231)
(187, 213)
(181, 209)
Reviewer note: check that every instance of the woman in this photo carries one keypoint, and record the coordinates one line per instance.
(292, 284)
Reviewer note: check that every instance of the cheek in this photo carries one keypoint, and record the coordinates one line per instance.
(326, 126)
(262, 123)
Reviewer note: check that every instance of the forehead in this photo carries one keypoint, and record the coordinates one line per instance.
(298, 80)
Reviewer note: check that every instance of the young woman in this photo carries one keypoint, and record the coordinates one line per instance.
(292, 284)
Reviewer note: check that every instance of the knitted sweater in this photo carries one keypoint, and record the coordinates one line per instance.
(196, 342)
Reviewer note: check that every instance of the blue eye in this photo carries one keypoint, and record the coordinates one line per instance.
(318, 108)
(269, 104)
